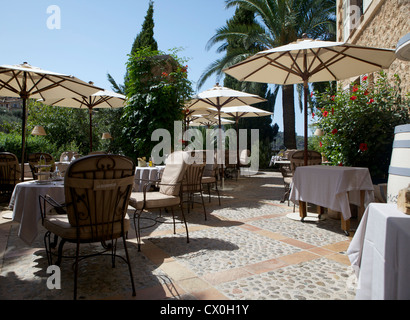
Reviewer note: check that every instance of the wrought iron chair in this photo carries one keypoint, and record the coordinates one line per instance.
(34, 158)
(97, 191)
(9, 174)
(192, 183)
(168, 196)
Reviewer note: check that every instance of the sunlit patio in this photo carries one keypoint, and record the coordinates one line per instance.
(250, 247)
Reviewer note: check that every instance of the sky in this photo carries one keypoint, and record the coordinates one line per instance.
(91, 38)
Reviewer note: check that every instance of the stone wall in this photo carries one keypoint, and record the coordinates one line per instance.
(383, 24)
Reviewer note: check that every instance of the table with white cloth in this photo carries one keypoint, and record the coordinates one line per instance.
(26, 205)
(332, 187)
(380, 254)
(145, 176)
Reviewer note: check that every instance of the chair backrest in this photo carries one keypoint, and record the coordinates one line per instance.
(192, 178)
(9, 169)
(97, 191)
(288, 153)
(34, 158)
(176, 165)
(297, 159)
(211, 165)
(70, 155)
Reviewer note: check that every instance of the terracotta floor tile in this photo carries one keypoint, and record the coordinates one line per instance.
(209, 294)
(339, 246)
(177, 271)
(339, 258)
(298, 257)
(321, 251)
(265, 266)
(227, 275)
(297, 243)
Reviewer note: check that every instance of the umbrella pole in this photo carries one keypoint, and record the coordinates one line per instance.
(305, 85)
(223, 148)
(23, 135)
(90, 110)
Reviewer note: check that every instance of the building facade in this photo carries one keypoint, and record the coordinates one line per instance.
(376, 23)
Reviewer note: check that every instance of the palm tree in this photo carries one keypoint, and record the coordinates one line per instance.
(279, 22)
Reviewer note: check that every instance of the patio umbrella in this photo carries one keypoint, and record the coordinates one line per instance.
(100, 99)
(218, 97)
(208, 121)
(242, 112)
(308, 60)
(26, 81)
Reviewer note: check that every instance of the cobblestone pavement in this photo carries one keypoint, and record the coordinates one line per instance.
(248, 248)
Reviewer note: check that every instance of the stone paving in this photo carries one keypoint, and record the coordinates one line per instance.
(247, 249)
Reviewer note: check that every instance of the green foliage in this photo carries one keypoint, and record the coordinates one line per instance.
(359, 124)
(157, 87)
(11, 142)
(146, 37)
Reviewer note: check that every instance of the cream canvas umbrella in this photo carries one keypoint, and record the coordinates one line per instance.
(100, 99)
(308, 60)
(218, 97)
(242, 112)
(208, 121)
(26, 81)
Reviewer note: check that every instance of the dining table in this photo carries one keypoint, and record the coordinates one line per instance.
(146, 177)
(332, 187)
(379, 254)
(26, 206)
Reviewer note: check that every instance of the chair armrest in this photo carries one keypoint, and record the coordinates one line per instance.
(59, 207)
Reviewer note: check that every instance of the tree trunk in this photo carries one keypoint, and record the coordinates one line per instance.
(289, 134)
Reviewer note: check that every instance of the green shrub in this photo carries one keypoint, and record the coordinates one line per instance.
(359, 124)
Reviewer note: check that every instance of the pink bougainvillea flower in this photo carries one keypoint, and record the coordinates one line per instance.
(370, 101)
(325, 113)
(353, 98)
(334, 131)
(363, 147)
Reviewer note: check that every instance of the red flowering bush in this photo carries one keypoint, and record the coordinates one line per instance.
(359, 124)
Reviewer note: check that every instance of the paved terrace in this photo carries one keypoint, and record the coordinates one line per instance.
(247, 249)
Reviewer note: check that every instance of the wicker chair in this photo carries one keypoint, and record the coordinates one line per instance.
(168, 196)
(9, 174)
(97, 191)
(34, 158)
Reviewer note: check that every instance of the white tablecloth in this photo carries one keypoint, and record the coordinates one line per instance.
(380, 253)
(145, 174)
(26, 207)
(332, 187)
